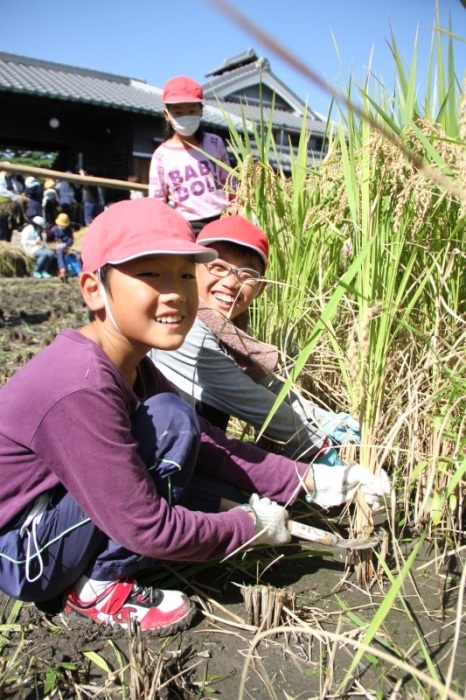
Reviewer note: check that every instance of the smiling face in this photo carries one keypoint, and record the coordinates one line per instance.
(149, 302)
(154, 300)
(227, 294)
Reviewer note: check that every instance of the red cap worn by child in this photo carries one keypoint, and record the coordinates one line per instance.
(236, 229)
(181, 89)
(135, 228)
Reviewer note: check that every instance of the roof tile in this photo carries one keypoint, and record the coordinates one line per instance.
(55, 80)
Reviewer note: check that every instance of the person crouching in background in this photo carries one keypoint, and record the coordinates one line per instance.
(62, 236)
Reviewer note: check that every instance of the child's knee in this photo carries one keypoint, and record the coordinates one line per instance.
(171, 411)
(166, 427)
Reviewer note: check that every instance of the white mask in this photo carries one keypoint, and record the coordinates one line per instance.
(186, 126)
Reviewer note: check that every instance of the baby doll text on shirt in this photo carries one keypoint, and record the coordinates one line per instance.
(195, 180)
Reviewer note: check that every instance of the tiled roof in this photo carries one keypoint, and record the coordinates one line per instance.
(245, 70)
(241, 59)
(281, 118)
(32, 76)
(35, 77)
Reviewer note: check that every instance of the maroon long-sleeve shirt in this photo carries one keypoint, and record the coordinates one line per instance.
(65, 418)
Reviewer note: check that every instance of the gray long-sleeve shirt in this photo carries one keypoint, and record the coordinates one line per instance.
(202, 371)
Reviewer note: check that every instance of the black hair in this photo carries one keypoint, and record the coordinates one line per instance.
(102, 274)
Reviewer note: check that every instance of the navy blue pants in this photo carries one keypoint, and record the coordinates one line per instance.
(40, 563)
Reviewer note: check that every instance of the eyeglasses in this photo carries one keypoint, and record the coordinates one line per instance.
(244, 275)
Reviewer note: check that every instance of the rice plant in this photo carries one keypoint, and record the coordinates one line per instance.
(367, 298)
(367, 288)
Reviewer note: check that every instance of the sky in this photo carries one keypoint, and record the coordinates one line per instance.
(155, 40)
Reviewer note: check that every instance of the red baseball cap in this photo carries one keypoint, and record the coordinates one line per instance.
(236, 229)
(135, 228)
(181, 89)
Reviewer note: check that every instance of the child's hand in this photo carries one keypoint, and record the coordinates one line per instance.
(339, 484)
(270, 521)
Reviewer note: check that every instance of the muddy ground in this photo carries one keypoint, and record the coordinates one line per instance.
(220, 655)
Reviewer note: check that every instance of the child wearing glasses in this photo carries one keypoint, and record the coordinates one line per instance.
(223, 371)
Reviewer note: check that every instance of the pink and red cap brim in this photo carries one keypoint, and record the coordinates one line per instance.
(236, 229)
(138, 228)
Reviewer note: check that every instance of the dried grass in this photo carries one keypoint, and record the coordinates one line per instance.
(265, 605)
(14, 262)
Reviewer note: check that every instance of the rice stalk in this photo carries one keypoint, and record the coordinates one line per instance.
(386, 346)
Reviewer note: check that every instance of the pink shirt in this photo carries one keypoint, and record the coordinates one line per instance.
(192, 180)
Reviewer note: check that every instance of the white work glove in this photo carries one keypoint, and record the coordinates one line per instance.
(336, 485)
(270, 521)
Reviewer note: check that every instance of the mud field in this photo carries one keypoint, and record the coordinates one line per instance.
(222, 655)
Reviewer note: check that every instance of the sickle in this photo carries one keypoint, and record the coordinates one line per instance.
(330, 539)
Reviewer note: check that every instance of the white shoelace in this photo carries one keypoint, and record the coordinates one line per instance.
(33, 519)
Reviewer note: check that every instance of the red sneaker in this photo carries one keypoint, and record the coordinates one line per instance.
(162, 612)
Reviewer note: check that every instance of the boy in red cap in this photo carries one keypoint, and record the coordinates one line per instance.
(106, 471)
(184, 170)
(222, 371)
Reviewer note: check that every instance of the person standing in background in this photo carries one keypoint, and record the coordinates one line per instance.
(93, 200)
(33, 190)
(185, 170)
(66, 196)
(50, 202)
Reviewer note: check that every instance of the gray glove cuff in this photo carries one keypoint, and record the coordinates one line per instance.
(249, 509)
